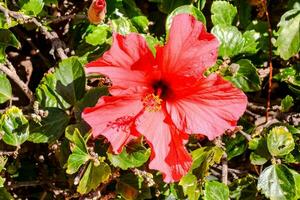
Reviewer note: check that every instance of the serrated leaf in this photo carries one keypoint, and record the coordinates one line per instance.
(244, 76)
(70, 80)
(188, 9)
(32, 7)
(98, 36)
(223, 13)
(50, 128)
(14, 127)
(5, 89)
(232, 41)
(79, 154)
(286, 103)
(277, 182)
(190, 186)
(216, 191)
(7, 38)
(288, 41)
(94, 175)
(280, 141)
(125, 160)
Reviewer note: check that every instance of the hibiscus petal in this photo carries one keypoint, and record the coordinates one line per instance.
(211, 108)
(126, 62)
(189, 50)
(113, 117)
(169, 155)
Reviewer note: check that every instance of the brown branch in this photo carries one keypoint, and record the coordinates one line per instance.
(270, 59)
(57, 44)
(12, 74)
(224, 168)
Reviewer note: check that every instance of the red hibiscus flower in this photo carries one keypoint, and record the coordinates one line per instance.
(97, 11)
(164, 97)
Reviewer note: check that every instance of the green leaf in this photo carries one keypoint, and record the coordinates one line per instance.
(94, 175)
(288, 41)
(70, 80)
(141, 23)
(47, 95)
(5, 89)
(3, 161)
(243, 188)
(251, 41)
(50, 128)
(2, 181)
(4, 24)
(14, 127)
(125, 160)
(98, 36)
(260, 155)
(216, 191)
(244, 76)
(223, 13)
(280, 141)
(203, 158)
(277, 182)
(123, 26)
(167, 6)
(190, 186)
(286, 103)
(7, 38)
(235, 146)
(257, 159)
(232, 41)
(79, 154)
(32, 7)
(189, 9)
(5, 195)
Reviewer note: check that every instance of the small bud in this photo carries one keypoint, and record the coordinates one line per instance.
(97, 11)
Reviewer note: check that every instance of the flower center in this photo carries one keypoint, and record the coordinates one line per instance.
(161, 89)
(152, 103)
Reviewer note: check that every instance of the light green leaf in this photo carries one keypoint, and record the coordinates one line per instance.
(50, 128)
(135, 158)
(5, 89)
(286, 103)
(280, 141)
(98, 36)
(216, 191)
(14, 127)
(251, 41)
(277, 183)
(190, 186)
(288, 41)
(244, 76)
(3, 161)
(5, 24)
(188, 9)
(32, 7)
(94, 175)
(123, 26)
(7, 38)
(79, 154)
(257, 159)
(232, 41)
(223, 13)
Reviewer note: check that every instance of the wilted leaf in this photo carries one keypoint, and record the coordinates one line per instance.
(93, 176)
(280, 141)
(277, 182)
(14, 127)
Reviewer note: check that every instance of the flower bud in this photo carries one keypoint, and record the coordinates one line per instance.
(97, 11)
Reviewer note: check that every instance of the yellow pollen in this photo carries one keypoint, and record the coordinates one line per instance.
(152, 103)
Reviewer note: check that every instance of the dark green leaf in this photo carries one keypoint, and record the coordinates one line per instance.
(235, 146)
(280, 141)
(94, 175)
(5, 195)
(167, 6)
(223, 13)
(277, 182)
(14, 127)
(5, 89)
(243, 188)
(7, 38)
(216, 191)
(50, 128)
